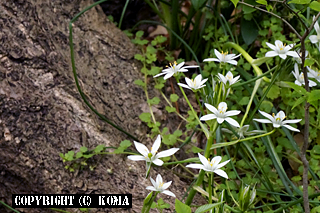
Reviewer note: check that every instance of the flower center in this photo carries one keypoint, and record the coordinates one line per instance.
(222, 110)
(150, 155)
(281, 46)
(211, 164)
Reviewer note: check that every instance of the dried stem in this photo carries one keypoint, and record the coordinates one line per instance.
(279, 17)
(306, 126)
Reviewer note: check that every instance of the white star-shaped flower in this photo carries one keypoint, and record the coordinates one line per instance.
(221, 114)
(152, 156)
(173, 69)
(224, 57)
(211, 166)
(315, 38)
(243, 131)
(300, 78)
(160, 186)
(314, 74)
(278, 120)
(281, 50)
(298, 59)
(228, 78)
(195, 84)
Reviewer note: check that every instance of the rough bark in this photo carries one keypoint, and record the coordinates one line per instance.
(42, 114)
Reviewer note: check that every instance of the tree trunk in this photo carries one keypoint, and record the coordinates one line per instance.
(42, 114)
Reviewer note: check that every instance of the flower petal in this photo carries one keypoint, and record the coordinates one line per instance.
(291, 121)
(167, 192)
(271, 54)
(232, 122)
(195, 166)
(233, 62)
(203, 159)
(184, 85)
(266, 115)
(291, 128)
(211, 108)
(156, 145)
(271, 46)
(232, 113)
(211, 59)
(313, 39)
(168, 75)
(208, 117)
(167, 153)
(136, 157)
(157, 162)
(151, 188)
(293, 54)
(220, 120)
(166, 185)
(222, 164)
(142, 149)
(153, 182)
(159, 179)
(159, 74)
(221, 173)
(265, 121)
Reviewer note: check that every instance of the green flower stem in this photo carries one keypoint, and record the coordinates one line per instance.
(169, 103)
(255, 89)
(150, 203)
(189, 160)
(9, 207)
(73, 64)
(183, 167)
(254, 79)
(147, 95)
(202, 172)
(205, 131)
(210, 182)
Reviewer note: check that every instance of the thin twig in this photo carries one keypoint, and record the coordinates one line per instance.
(282, 19)
(306, 126)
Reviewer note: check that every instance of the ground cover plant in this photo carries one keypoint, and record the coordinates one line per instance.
(255, 79)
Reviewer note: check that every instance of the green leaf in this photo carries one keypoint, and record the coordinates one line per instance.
(125, 144)
(248, 10)
(181, 207)
(99, 148)
(244, 101)
(170, 109)
(266, 106)
(174, 97)
(139, 34)
(315, 6)
(264, 2)
(207, 207)
(235, 2)
(274, 92)
(195, 149)
(177, 133)
(197, 4)
(260, 61)
(154, 71)
(83, 149)
(219, 145)
(249, 31)
(145, 117)
(297, 88)
(139, 57)
(314, 95)
(309, 62)
(299, 2)
(79, 155)
(154, 101)
(140, 83)
(298, 102)
(88, 156)
(69, 155)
